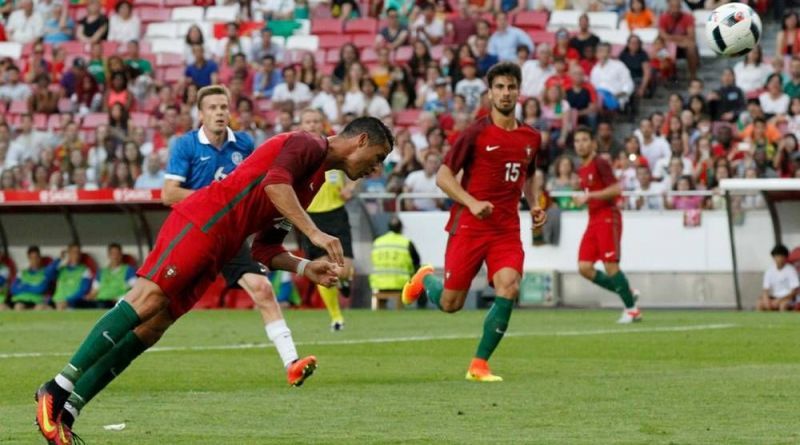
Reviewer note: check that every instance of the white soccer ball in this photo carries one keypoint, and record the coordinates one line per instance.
(733, 29)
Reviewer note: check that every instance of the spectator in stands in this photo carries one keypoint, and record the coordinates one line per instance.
(31, 284)
(787, 41)
(506, 38)
(637, 61)
(25, 25)
(785, 161)
(43, 99)
(232, 44)
(118, 93)
(510, 7)
(471, 87)
(13, 89)
(72, 77)
(530, 113)
(325, 100)
(774, 101)
(463, 24)
(683, 202)
(277, 9)
(344, 9)
(120, 176)
(441, 102)
(751, 72)
(639, 16)
(80, 181)
(35, 64)
(394, 34)
(263, 47)
(427, 28)
(606, 144)
(58, 64)
(728, 101)
(28, 143)
(194, 36)
(653, 198)
(94, 27)
(661, 167)
(483, 59)
(58, 25)
(747, 119)
(291, 90)
(584, 37)
(562, 48)
(374, 104)
(424, 181)
(557, 113)
(582, 98)
(124, 26)
(401, 92)
(8, 181)
(137, 65)
(112, 281)
(793, 119)
(781, 285)
(612, 79)
(266, 78)
(97, 63)
(202, 72)
(676, 26)
(653, 147)
(563, 180)
(73, 279)
(536, 72)
(792, 84)
(348, 55)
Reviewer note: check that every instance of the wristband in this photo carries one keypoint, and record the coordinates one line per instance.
(301, 267)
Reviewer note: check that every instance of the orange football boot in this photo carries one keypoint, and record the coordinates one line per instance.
(300, 370)
(479, 372)
(414, 288)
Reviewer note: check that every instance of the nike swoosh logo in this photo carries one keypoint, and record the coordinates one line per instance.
(499, 331)
(46, 425)
(492, 147)
(205, 158)
(107, 336)
(609, 254)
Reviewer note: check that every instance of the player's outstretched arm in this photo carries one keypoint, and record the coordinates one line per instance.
(285, 200)
(319, 272)
(538, 215)
(446, 180)
(172, 192)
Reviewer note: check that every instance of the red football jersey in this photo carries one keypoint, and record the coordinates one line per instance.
(597, 175)
(496, 163)
(238, 206)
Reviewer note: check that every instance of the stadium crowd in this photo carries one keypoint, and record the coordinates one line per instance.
(90, 106)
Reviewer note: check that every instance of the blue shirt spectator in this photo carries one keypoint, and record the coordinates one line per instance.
(153, 175)
(58, 27)
(504, 42)
(202, 72)
(267, 78)
(196, 163)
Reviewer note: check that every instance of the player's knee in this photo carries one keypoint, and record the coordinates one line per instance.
(508, 289)
(260, 290)
(451, 306)
(151, 333)
(586, 270)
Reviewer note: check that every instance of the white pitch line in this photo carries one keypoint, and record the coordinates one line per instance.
(628, 330)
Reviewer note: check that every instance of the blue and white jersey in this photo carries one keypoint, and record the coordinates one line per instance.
(196, 163)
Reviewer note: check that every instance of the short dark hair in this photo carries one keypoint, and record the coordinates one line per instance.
(287, 69)
(73, 244)
(780, 249)
(115, 246)
(395, 225)
(34, 249)
(377, 131)
(584, 129)
(509, 69)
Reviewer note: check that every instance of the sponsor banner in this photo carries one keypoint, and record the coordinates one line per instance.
(103, 196)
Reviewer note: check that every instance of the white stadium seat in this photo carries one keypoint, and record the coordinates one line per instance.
(12, 50)
(222, 14)
(701, 17)
(159, 46)
(279, 41)
(563, 19)
(612, 36)
(304, 29)
(207, 28)
(308, 43)
(164, 30)
(188, 14)
(648, 35)
(603, 20)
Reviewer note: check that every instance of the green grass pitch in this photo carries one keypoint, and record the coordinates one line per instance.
(572, 377)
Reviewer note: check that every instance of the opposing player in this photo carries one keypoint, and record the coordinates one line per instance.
(601, 241)
(197, 159)
(329, 214)
(496, 156)
(266, 193)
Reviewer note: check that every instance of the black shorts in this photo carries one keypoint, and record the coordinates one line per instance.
(334, 223)
(239, 265)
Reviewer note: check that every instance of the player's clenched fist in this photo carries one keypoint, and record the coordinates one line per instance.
(323, 273)
(539, 217)
(330, 244)
(481, 209)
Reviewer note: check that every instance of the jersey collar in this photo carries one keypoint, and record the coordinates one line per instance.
(201, 136)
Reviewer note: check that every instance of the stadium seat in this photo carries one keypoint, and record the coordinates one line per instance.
(319, 56)
(40, 121)
(12, 50)
(207, 28)
(304, 29)
(65, 105)
(162, 30)
(148, 3)
(603, 20)
(379, 298)
(648, 35)
(362, 41)
(406, 118)
(332, 56)
(564, 19)
(11, 265)
(308, 43)
(130, 260)
(334, 41)
(437, 52)
(531, 20)
(174, 3)
(403, 54)
(538, 37)
(90, 262)
(701, 17)
(368, 56)
(188, 14)
(326, 26)
(612, 36)
(174, 74)
(94, 120)
(110, 48)
(237, 299)
(149, 15)
(327, 69)
(170, 59)
(222, 14)
(366, 25)
(140, 119)
(263, 105)
(321, 11)
(18, 107)
(160, 46)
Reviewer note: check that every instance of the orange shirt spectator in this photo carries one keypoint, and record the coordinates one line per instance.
(639, 16)
(773, 134)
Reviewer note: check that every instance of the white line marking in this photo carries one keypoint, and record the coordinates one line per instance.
(642, 330)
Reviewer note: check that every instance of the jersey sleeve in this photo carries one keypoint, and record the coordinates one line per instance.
(179, 161)
(268, 244)
(605, 172)
(301, 155)
(460, 155)
(246, 141)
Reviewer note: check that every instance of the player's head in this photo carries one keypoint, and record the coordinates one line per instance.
(34, 256)
(213, 102)
(395, 225)
(115, 253)
(368, 142)
(504, 81)
(583, 139)
(780, 253)
(74, 253)
(311, 121)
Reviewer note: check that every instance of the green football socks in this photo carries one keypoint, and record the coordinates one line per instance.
(603, 280)
(623, 289)
(433, 288)
(107, 332)
(494, 327)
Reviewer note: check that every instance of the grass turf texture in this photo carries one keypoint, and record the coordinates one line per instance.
(572, 377)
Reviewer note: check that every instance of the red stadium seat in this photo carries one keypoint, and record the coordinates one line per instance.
(175, 3)
(366, 25)
(139, 119)
(89, 261)
(18, 107)
(364, 40)
(169, 59)
(110, 48)
(212, 298)
(319, 57)
(174, 74)
(150, 15)
(129, 260)
(531, 20)
(326, 26)
(437, 52)
(94, 120)
(238, 299)
(332, 56)
(65, 105)
(368, 55)
(403, 54)
(334, 41)
(406, 118)
(40, 121)
(321, 11)
(327, 69)
(12, 267)
(74, 47)
(263, 105)
(538, 37)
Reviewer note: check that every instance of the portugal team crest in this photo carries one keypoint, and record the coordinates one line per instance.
(171, 272)
(236, 158)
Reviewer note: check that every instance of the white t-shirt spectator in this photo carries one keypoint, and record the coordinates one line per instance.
(299, 94)
(649, 202)
(124, 31)
(20, 91)
(471, 89)
(327, 103)
(433, 29)
(355, 103)
(774, 106)
(657, 148)
(23, 29)
(24, 147)
(780, 283)
(419, 182)
(661, 169)
(751, 77)
(533, 78)
(378, 107)
(614, 77)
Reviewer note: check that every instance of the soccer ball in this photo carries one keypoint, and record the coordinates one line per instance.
(733, 29)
